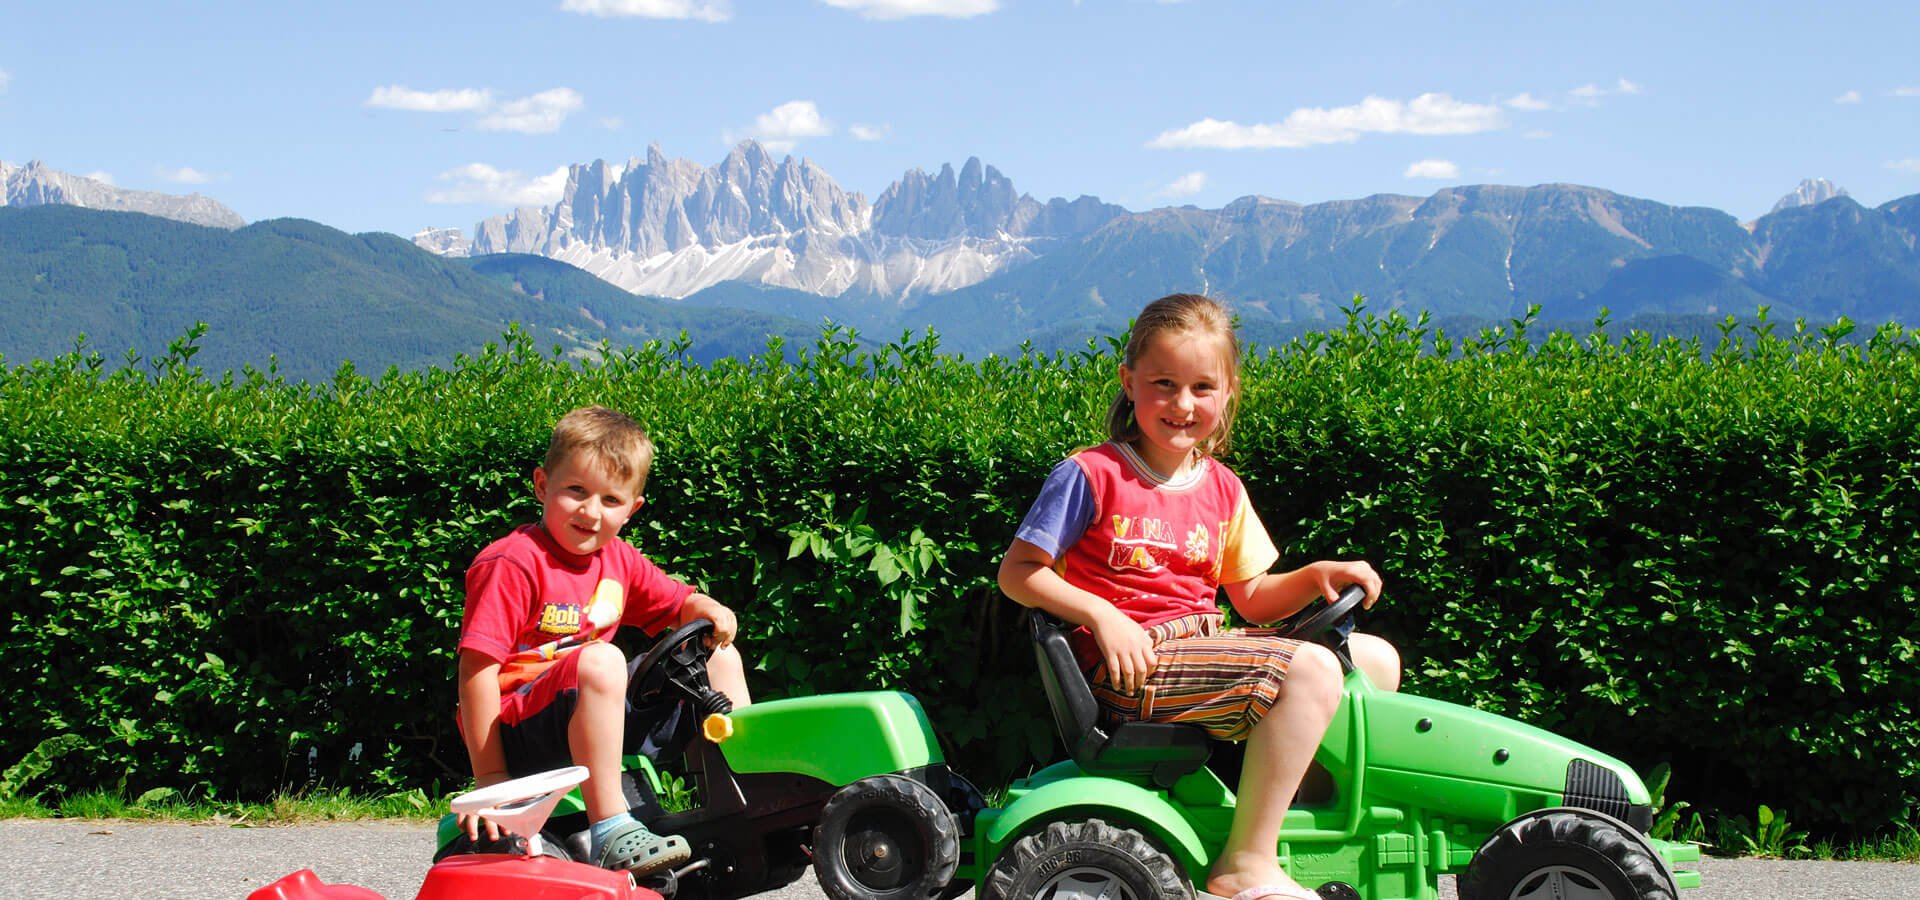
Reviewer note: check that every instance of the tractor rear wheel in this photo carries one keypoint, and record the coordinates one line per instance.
(886, 837)
(1084, 861)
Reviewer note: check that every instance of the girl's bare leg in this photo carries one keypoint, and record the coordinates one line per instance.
(1278, 751)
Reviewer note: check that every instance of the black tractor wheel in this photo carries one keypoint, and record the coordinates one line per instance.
(886, 837)
(1084, 861)
(1567, 854)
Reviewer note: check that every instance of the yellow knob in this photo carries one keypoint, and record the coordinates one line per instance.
(717, 727)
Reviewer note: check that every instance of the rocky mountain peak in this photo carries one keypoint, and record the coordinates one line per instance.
(1811, 192)
(670, 227)
(35, 184)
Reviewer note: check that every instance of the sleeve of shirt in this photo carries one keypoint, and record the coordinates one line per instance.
(499, 601)
(654, 598)
(1247, 549)
(1062, 512)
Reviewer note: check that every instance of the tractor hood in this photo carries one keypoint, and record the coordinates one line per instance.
(1475, 765)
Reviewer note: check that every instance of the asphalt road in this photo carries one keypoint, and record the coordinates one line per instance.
(80, 860)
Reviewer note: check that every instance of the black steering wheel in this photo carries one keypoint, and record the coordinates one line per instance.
(679, 661)
(1329, 623)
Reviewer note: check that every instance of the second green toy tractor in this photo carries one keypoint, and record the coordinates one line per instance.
(1423, 789)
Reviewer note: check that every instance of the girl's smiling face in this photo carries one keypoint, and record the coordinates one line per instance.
(1179, 384)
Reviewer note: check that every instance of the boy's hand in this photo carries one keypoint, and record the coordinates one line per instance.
(1125, 647)
(725, 625)
(473, 824)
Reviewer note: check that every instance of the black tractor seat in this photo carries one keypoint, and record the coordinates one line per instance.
(1162, 751)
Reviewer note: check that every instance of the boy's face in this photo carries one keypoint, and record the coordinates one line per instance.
(583, 504)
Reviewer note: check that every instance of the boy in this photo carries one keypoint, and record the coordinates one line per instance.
(541, 686)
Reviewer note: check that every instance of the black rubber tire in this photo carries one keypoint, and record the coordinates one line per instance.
(1567, 851)
(885, 837)
(1083, 860)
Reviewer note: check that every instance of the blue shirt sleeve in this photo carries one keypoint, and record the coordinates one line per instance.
(1062, 512)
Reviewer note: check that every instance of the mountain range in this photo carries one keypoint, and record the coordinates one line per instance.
(756, 246)
(965, 252)
(301, 297)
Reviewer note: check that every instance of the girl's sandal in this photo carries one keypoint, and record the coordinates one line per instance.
(634, 848)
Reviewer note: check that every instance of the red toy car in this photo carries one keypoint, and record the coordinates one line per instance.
(521, 806)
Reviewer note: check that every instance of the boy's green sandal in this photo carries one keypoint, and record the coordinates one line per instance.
(636, 849)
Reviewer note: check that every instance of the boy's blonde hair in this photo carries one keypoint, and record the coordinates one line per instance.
(608, 437)
(1189, 315)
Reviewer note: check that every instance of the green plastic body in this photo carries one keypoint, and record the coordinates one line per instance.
(1421, 783)
(835, 738)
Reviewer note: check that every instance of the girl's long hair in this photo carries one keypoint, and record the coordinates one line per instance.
(1180, 314)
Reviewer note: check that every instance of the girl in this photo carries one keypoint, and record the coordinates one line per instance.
(1131, 539)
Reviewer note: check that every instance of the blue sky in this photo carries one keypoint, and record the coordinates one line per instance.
(403, 114)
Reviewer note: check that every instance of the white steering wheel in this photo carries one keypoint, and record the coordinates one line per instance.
(521, 805)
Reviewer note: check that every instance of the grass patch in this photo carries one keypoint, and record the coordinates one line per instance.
(286, 809)
(1901, 846)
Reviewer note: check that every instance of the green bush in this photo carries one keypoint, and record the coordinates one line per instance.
(1702, 556)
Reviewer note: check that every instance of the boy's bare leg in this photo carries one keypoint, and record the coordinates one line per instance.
(1278, 751)
(598, 726)
(727, 673)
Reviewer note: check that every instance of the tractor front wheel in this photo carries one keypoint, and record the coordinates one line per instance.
(1084, 861)
(886, 837)
(1567, 854)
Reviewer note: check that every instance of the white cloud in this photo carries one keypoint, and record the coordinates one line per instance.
(1185, 186)
(1906, 165)
(1848, 97)
(1527, 102)
(1592, 94)
(1432, 168)
(481, 183)
(538, 114)
(1428, 114)
(1906, 92)
(396, 96)
(541, 113)
(183, 175)
(102, 177)
(868, 132)
(700, 10)
(779, 130)
(1538, 134)
(4, 79)
(901, 9)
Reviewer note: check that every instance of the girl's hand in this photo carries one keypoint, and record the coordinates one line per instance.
(1125, 647)
(1331, 576)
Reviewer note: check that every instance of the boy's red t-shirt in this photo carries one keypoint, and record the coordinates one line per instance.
(528, 601)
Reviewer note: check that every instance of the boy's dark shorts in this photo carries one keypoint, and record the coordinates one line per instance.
(534, 720)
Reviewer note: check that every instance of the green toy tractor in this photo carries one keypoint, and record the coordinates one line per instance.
(1423, 788)
(852, 784)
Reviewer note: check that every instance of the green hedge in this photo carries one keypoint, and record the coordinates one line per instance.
(1700, 557)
